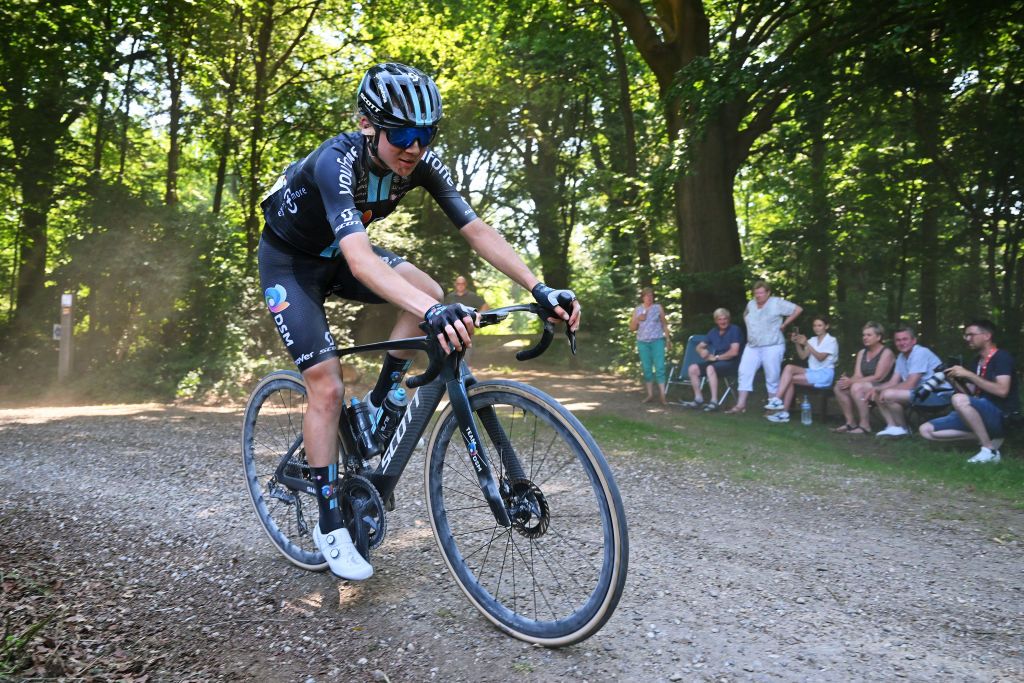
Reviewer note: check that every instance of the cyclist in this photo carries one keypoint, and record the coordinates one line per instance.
(315, 243)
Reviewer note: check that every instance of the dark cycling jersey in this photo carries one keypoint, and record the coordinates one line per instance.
(337, 190)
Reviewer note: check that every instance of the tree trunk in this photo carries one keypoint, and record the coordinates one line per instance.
(260, 90)
(624, 205)
(174, 77)
(542, 182)
(707, 232)
(819, 229)
(927, 126)
(35, 178)
(126, 104)
(98, 138)
(227, 142)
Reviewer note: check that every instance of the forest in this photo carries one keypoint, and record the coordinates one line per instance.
(863, 157)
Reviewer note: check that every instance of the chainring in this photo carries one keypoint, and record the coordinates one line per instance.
(363, 512)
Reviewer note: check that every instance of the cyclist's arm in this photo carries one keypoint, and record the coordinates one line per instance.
(486, 241)
(367, 267)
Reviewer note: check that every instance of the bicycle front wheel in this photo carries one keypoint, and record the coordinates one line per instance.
(271, 428)
(556, 575)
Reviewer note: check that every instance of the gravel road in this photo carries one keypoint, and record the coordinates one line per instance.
(135, 521)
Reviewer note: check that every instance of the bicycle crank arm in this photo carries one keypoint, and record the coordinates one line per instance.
(481, 464)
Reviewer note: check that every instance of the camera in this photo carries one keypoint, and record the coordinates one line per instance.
(937, 382)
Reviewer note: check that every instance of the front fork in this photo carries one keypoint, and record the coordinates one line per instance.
(481, 463)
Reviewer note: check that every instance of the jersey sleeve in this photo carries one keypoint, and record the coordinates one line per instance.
(335, 178)
(1000, 365)
(436, 179)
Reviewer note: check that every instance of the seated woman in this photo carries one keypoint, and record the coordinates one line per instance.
(821, 352)
(872, 367)
(720, 355)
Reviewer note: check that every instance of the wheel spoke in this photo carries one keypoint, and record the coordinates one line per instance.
(550, 572)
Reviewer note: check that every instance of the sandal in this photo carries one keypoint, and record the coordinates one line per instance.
(735, 410)
(857, 429)
(692, 404)
(845, 429)
(710, 407)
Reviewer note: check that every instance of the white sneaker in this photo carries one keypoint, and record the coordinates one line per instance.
(778, 417)
(342, 557)
(893, 431)
(986, 455)
(774, 403)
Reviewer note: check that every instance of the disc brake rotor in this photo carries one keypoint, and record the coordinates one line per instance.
(528, 509)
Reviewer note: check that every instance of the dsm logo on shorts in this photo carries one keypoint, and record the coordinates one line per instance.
(276, 296)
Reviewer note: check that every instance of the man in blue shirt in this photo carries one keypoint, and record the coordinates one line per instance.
(720, 356)
(990, 394)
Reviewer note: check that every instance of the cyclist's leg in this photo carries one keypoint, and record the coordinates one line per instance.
(395, 363)
(408, 324)
(295, 285)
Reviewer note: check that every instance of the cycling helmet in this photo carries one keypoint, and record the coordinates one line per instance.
(395, 95)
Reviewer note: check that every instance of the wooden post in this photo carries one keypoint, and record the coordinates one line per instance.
(64, 356)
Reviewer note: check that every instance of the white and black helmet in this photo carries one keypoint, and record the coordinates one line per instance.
(395, 95)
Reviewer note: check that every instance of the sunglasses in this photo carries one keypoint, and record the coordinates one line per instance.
(403, 138)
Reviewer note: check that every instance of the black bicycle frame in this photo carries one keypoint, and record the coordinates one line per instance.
(414, 423)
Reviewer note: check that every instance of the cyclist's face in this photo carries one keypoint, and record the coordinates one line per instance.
(401, 161)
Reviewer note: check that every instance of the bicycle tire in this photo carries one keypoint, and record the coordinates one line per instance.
(579, 559)
(272, 424)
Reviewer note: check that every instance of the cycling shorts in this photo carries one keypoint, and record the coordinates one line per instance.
(296, 284)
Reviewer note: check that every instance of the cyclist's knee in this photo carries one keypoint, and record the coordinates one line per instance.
(420, 280)
(323, 383)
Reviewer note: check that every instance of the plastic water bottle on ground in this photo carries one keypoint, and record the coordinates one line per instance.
(805, 411)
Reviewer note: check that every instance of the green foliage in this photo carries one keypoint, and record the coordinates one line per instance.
(881, 179)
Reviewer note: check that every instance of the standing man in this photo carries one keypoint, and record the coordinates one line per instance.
(466, 297)
(992, 394)
(914, 364)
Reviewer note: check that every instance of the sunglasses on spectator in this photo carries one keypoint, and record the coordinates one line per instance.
(403, 138)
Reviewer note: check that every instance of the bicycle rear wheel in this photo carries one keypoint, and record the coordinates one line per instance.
(555, 577)
(272, 426)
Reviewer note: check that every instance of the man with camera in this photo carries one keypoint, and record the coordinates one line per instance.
(914, 364)
(989, 395)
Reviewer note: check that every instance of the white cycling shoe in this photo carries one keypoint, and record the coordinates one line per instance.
(342, 557)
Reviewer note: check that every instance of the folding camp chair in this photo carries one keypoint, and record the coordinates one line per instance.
(678, 373)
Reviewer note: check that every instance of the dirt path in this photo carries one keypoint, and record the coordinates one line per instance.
(133, 522)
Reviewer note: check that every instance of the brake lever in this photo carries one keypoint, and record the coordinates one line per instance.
(572, 339)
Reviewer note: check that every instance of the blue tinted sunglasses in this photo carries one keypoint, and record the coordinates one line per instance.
(403, 138)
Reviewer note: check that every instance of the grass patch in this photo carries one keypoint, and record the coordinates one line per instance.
(751, 449)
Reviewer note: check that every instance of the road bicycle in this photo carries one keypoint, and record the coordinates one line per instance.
(523, 504)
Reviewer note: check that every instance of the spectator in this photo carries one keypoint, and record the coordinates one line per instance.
(820, 352)
(648, 321)
(466, 297)
(720, 355)
(991, 394)
(766, 317)
(914, 364)
(872, 368)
